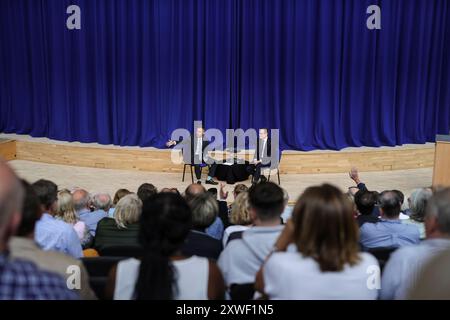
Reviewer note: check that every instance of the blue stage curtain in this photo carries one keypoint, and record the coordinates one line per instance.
(139, 69)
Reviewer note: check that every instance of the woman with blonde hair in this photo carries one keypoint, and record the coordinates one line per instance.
(239, 218)
(66, 212)
(122, 230)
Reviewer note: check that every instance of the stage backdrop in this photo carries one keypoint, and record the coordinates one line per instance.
(138, 69)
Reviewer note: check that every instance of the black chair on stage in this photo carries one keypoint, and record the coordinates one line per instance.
(191, 166)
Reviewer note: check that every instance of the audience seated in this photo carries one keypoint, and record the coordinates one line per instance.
(51, 233)
(390, 231)
(365, 202)
(215, 229)
(117, 196)
(317, 253)
(242, 258)
(240, 217)
(22, 245)
(164, 272)
(417, 204)
(22, 279)
(66, 212)
(123, 229)
(82, 203)
(146, 191)
(404, 265)
(204, 212)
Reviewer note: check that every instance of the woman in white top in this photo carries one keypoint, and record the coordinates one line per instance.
(240, 216)
(323, 260)
(163, 273)
(66, 212)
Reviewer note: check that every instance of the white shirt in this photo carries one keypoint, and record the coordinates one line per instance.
(198, 150)
(192, 278)
(290, 276)
(263, 149)
(230, 230)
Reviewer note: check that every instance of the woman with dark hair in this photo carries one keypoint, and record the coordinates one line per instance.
(323, 260)
(163, 272)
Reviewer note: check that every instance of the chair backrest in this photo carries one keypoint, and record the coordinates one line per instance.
(98, 269)
(243, 291)
(122, 251)
(382, 254)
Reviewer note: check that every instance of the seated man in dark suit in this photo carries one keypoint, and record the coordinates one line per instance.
(262, 157)
(196, 155)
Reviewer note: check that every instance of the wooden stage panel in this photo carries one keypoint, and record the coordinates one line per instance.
(8, 149)
(375, 159)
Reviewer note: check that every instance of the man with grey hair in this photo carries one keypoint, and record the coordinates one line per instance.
(21, 279)
(204, 212)
(404, 265)
(82, 203)
(390, 231)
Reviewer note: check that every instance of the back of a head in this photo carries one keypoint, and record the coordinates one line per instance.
(65, 207)
(128, 211)
(240, 214)
(164, 225)
(193, 190)
(439, 206)
(400, 196)
(390, 203)
(204, 210)
(325, 229)
(418, 203)
(146, 190)
(102, 201)
(120, 194)
(47, 192)
(31, 211)
(213, 192)
(239, 188)
(365, 202)
(267, 200)
(81, 199)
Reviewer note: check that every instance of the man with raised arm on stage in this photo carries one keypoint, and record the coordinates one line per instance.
(197, 147)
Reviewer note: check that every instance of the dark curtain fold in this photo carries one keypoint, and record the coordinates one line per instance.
(139, 69)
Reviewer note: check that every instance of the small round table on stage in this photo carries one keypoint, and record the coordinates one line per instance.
(232, 173)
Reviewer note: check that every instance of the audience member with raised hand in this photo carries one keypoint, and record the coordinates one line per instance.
(83, 203)
(21, 279)
(240, 218)
(242, 258)
(66, 212)
(123, 229)
(317, 254)
(405, 264)
(23, 246)
(164, 272)
(417, 204)
(204, 212)
(51, 233)
(390, 231)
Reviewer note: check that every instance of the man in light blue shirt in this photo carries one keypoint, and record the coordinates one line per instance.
(51, 233)
(390, 231)
(215, 230)
(401, 272)
(101, 203)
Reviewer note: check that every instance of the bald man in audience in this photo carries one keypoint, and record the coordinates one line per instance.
(82, 203)
(22, 279)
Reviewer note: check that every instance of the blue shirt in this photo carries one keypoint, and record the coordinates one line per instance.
(405, 264)
(56, 235)
(388, 233)
(22, 280)
(216, 229)
(91, 219)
